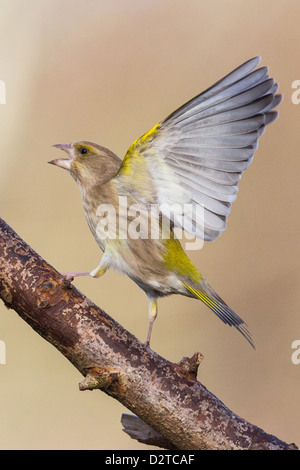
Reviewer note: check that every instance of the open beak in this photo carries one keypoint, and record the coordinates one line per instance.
(63, 162)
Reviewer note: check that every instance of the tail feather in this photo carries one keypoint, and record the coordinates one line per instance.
(204, 292)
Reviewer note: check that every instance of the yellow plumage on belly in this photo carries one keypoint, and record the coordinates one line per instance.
(183, 173)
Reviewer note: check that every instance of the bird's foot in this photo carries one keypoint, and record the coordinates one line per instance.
(70, 276)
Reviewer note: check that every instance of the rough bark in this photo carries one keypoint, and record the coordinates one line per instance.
(165, 396)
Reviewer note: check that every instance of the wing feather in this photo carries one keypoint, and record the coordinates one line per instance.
(198, 153)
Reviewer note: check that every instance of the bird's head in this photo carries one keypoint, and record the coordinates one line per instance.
(88, 162)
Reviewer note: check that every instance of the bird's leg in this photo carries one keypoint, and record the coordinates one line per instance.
(152, 315)
(70, 276)
(97, 272)
(100, 270)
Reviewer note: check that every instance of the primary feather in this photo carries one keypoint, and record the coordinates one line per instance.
(189, 166)
(199, 152)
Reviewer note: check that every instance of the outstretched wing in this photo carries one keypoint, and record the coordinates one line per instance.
(196, 156)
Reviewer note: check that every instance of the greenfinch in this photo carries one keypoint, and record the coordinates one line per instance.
(190, 162)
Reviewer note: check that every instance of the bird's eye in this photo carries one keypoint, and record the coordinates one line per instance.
(83, 151)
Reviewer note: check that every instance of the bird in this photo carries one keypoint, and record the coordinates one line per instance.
(194, 159)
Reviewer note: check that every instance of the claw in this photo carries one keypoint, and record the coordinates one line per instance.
(67, 277)
(70, 276)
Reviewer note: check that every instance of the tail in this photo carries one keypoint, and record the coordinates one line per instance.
(204, 292)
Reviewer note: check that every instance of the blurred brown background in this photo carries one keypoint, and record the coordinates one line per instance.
(107, 71)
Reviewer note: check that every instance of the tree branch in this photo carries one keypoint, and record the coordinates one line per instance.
(165, 396)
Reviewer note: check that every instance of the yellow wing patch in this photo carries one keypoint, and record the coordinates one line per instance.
(135, 152)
